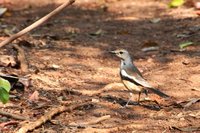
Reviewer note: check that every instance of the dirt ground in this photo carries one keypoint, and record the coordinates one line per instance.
(70, 52)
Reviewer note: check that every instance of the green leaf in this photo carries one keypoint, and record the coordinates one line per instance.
(185, 44)
(5, 84)
(4, 95)
(176, 3)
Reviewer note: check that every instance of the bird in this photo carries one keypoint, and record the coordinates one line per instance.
(132, 78)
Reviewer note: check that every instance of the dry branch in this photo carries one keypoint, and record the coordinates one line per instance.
(14, 116)
(37, 23)
(21, 58)
(32, 125)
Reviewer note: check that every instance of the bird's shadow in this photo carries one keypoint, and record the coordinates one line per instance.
(152, 105)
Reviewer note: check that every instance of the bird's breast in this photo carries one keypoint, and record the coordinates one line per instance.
(131, 86)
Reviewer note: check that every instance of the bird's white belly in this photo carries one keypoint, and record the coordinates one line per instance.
(131, 86)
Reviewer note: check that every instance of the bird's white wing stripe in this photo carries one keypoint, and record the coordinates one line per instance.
(143, 82)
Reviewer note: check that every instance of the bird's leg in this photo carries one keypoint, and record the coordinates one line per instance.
(146, 93)
(131, 95)
(139, 97)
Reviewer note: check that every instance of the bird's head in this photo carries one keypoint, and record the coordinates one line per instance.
(121, 53)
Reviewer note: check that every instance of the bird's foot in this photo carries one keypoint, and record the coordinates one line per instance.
(147, 99)
(124, 106)
(132, 103)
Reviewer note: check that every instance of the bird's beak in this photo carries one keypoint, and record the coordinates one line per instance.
(112, 52)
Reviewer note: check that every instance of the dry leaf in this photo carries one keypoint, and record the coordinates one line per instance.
(97, 33)
(150, 46)
(2, 11)
(155, 20)
(34, 97)
(6, 60)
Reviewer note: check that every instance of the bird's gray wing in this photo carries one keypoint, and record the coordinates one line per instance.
(133, 76)
(135, 69)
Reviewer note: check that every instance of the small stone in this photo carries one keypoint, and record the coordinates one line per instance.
(186, 62)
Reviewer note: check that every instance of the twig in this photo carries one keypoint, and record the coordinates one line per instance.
(187, 129)
(21, 58)
(37, 23)
(14, 116)
(9, 123)
(92, 122)
(32, 125)
(192, 101)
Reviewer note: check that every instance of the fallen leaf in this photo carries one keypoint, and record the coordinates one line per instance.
(97, 33)
(176, 3)
(6, 60)
(185, 44)
(2, 11)
(34, 97)
(182, 35)
(150, 46)
(150, 49)
(155, 20)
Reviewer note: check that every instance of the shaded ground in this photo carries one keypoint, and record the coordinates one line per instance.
(78, 41)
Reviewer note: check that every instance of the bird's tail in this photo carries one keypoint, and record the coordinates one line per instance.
(161, 94)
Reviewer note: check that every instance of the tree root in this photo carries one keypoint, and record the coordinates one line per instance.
(32, 125)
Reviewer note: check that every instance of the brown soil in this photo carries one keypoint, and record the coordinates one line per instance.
(77, 41)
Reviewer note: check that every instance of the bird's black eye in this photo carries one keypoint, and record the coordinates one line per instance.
(121, 52)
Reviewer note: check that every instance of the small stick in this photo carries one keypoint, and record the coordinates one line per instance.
(37, 23)
(14, 116)
(9, 123)
(32, 125)
(22, 59)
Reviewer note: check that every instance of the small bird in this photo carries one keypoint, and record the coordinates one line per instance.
(131, 76)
